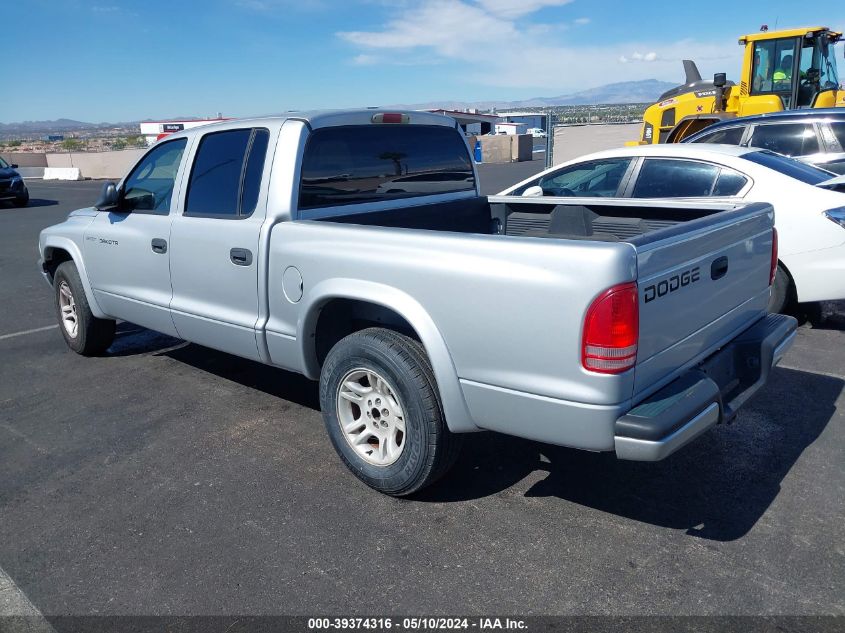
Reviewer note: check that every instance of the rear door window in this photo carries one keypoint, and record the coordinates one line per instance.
(670, 178)
(727, 136)
(372, 163)
(226, 175)
(790, 139)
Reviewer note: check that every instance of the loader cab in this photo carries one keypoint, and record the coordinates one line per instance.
(798, 67)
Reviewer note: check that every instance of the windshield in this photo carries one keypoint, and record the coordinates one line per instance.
(820, 55)
(789, 167)
(3, 164)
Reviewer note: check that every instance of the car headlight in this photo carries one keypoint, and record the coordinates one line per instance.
(836, 215)
(16, 178)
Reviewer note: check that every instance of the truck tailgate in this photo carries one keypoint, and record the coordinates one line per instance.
(700, 284)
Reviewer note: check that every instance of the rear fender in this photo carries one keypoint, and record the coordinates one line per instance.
(451, 395)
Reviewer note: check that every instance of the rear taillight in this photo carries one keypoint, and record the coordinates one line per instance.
(773, 266)
(612, 330)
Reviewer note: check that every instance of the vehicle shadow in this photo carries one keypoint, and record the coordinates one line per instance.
(33, 202)
(270, 380)
(716, 488)
(134, 340)
(830, 316)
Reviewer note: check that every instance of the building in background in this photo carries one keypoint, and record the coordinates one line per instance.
(530, 119)
(472, 123)
(511, 128)
(154, 130)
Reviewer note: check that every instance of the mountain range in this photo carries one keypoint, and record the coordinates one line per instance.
(644, 91)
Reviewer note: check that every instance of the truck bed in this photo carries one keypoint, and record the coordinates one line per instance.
(576, 219)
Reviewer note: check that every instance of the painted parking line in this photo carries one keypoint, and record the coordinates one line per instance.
(25, 332)
(17, 613)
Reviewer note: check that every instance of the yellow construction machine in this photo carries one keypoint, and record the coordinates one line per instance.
(781, 70)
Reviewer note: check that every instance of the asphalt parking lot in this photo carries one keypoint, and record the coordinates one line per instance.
(166, 478)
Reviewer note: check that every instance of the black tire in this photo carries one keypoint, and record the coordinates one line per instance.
(93, 336)
(429, 448)
(23, 200)
(782, 297)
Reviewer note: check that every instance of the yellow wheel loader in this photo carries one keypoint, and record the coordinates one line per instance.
(781, 70)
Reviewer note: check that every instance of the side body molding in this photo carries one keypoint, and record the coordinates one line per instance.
(454, 405)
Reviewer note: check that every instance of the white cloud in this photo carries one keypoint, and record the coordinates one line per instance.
(365, 60)
(482, 41)
(582, 21)
(639, 57)
(517, 8)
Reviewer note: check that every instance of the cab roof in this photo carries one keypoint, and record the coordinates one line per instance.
(328, 118)
(800, 32)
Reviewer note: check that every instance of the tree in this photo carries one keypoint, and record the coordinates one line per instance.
(118, 143)
(71, 144)
(14, 143)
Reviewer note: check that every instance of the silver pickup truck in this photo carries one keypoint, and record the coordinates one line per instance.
(354, 248)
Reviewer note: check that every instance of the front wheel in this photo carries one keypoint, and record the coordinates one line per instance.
(83, 332)
(383, 414)
(22, 200)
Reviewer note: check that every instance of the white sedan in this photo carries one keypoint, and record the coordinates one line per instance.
(809, 209)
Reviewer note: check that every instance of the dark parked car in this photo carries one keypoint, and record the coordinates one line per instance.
(813, 136)
(12, 186)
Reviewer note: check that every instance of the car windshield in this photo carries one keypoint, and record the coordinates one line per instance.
(3, 164)
(789, 167)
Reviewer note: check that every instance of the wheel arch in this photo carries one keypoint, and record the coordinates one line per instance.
(336, 308)
(56, 251)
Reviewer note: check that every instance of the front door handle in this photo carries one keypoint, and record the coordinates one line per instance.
(159, 245)
(241, 256)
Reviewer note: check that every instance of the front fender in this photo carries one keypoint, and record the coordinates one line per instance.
(49, 243)
(451, 395)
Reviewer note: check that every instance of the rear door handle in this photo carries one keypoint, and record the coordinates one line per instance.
(240, 256)
(159, 245)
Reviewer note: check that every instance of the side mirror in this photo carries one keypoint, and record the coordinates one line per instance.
(13, 166)
(108, 199)
(535, 191)
(720, 79)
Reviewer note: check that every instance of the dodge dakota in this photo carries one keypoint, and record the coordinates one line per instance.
(355, 248)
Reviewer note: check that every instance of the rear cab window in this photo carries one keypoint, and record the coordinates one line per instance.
(789, 167)
(346, 165)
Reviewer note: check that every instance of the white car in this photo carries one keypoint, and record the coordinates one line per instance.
(809, 203)
(537, 132)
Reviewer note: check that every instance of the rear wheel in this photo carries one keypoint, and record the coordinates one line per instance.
(383, 414)
(782, 296)
(83, 332)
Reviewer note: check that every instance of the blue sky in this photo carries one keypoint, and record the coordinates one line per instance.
(116, 60)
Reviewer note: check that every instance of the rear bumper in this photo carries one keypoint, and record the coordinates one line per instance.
(705, 395)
